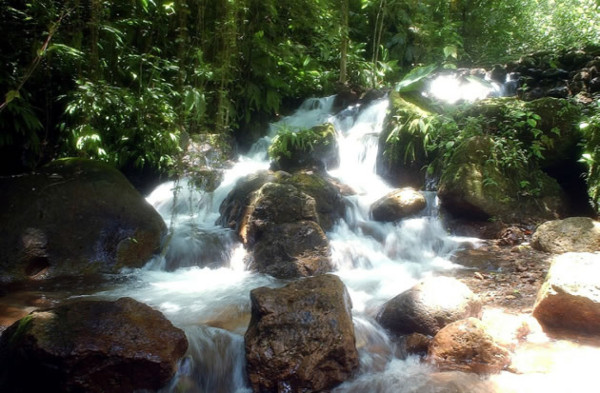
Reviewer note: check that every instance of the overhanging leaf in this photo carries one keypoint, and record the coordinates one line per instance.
(411, 81)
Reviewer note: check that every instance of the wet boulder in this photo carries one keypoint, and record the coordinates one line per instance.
(234, 208)
(416, 344)
(283, 232)
(301, 337)
(74, 217)
(429, 306)
(465, 345)
(91, 346)
(569, 298)
(280, 223)
(328, 198)
(291, 250)
(473, 186)
(573, 234)
(398, 204)
(274, 204)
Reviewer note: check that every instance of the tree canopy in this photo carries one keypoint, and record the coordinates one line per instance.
(124, 81)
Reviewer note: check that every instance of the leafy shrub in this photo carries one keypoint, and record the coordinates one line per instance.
(122, 127)
(298, 145)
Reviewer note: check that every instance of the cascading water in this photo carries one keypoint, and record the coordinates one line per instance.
(202, 286)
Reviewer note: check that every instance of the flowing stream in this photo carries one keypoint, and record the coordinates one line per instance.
(202, 286)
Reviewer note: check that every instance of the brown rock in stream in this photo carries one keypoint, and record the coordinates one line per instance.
(90, 346)
(283, 229)
(573, 234)
(466, 346)
(569, 299)
(398, 204)
(429, 306)
(301, 337)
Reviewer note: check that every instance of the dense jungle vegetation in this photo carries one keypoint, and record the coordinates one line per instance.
(126, 82)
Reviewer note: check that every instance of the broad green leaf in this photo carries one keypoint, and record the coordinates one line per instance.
(450, 51)
(11, 95)
(410, 82)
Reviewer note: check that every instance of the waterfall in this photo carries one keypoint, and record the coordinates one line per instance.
(202, 286)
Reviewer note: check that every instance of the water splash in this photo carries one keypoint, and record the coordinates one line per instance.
(202, 286)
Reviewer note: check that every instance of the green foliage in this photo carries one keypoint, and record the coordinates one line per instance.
(590, 156)
(290, 142)
(213, 66)
(116, 125)
(23, 326)
(410, 130)
(414, 79)
(518, 143)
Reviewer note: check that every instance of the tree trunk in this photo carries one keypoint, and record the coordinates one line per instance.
(95, 15)
(344, 42)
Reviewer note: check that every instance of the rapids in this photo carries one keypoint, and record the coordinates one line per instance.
(201, 284)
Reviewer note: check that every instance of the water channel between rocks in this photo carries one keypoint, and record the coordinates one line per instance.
(376, 261)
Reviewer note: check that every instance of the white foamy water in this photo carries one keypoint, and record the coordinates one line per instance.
(201, 283)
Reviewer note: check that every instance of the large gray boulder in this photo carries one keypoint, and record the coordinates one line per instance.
(74, 217)
(573, 234)
(90, 346)
(429, 306)
(301, 337)
(569, 298)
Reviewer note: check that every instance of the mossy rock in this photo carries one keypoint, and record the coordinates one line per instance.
(472, 185)
(558, 132)
(313, 148)
(402, 158)
(74, 217)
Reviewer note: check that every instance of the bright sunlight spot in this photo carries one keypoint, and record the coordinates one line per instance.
(452, 89)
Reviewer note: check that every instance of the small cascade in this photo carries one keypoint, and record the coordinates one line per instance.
(201, 283)
(214, 363)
